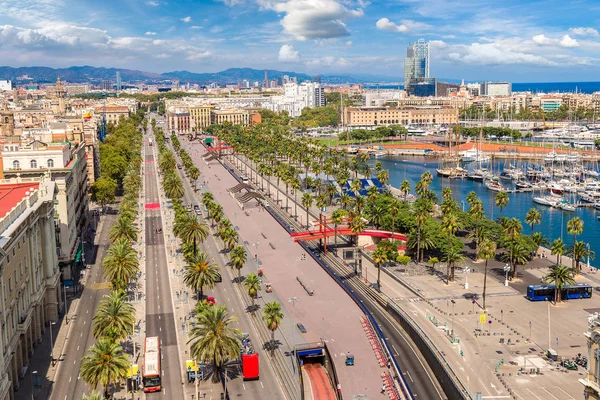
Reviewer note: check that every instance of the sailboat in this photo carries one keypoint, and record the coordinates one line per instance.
(452, 172)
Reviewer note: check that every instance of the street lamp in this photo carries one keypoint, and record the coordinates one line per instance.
(33, 373)
(51, 343)
(588, 256)
(294, 300)
(506, 270)
(467, 270)
(452, 331)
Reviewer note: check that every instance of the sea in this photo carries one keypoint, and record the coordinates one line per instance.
(535, 87)
(554, 221)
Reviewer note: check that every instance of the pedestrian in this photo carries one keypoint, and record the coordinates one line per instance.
(383, 388)
(339, 388)
(389, 364)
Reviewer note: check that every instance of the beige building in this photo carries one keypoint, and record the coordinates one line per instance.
(67, 165)
(234, 116)
(113, 113)
(29, 275)
(200, 116)
(383, 116)
(591, 383)
(178, 122)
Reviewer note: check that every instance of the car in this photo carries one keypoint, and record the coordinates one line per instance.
(179, 166)
(219, 278)
(198, 212)
(244, 179)
(301, 327)
(211, 300)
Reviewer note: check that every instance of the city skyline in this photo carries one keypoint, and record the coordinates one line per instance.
(515, 41)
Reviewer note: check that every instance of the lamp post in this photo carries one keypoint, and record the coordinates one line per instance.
(506, 270)
(294, 300)
(452, 331)
(467, 270)
(33, 373)
(588, 256)
(51, 343)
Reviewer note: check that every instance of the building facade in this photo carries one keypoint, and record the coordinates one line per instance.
(200, 116)
(496, 89)
(233, 116)
(178, 122)
(384, 116)
(29, 274)
(416, 69)
(591, 383)
(297, 97)
(113, 113)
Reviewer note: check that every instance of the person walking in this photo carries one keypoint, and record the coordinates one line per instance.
(383, 388)
(339, 388)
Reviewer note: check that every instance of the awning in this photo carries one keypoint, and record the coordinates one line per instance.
(79, 253)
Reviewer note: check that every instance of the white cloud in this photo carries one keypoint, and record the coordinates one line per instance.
(232, 2)
(349, 43)
(581, 31)
(407, 25)
(187, 19)
(329, 61)
(568, 41)
(196, 27)
(150, 33)
(502, 52)
(313, 19)
(543, 40)
(152, 3)
(287, 53)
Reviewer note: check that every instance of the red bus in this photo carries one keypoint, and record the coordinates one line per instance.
(151, 367)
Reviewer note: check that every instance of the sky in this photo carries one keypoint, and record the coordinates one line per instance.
(514, 40)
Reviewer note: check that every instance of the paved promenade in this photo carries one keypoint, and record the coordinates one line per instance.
(281, 261)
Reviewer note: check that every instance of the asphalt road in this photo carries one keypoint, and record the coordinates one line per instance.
(67, 383)
(267, 387)
(160, 318)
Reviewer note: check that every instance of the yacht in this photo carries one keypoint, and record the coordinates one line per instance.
(555, 188)
(494, 185)
(545, 201)
(590, 196)
(474, 155)
(523, 185)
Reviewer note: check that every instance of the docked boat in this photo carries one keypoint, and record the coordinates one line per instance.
(555, 188)
(474, 155)
(565, 206)
(452, 173)
(523, 185)
(590, 196)
(494, 185)
(379, 154)
(545, 201)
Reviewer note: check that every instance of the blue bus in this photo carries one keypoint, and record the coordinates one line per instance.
(546, 292)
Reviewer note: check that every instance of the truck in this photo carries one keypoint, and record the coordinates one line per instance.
(250, 365)
(150, 141)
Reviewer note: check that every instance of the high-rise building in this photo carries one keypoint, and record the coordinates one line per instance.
(496, 89)
(118, 81)
(297, 97)
(266, 80)
(416, 70)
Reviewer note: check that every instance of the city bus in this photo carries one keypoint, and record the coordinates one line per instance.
(568, 292)
(151, 367)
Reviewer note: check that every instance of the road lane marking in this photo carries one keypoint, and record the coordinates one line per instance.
(263, 386)
(70, 379)
(77, 348)
(410, 377)
(533, 394)
(546, 390)
(160, 329)
(244, 386)
(74, 362)
(396, 350)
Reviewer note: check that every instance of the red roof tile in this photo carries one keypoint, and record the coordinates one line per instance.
(12, 194)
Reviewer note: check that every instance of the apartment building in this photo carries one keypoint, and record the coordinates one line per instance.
(233, 116)
(178, 122)
(383, 116)
(113, 113)
(29, 274)
(200, 116)
(67, 165)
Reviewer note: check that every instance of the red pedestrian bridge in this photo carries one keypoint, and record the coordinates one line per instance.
(346, 231)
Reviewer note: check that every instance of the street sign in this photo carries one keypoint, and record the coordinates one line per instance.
(482, 318)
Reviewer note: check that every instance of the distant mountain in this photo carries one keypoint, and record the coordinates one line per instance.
(90, 74)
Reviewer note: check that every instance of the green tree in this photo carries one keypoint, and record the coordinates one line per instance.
(114, 317)
(192, 230)
(533, 217)
(501, 200)
(405, 188)
(452, 258)
(123, 229)
(93, 395)
(238, 258)
(307, 201)
(104, 364)
(120, 264)
(103, 191)
(337, 218)
(252, 285)
(172, 186)
(578, 252)
(487, 251)
(200, 273)
(574, 227)
(213, 338)
(558, 250)
(560, 276)
(539, 239)
(380, 256)
(272, 315)
(450, 225)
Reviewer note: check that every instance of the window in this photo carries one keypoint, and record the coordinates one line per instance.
(16, 164)
(10, 288)
(50, 163)
(33, 164)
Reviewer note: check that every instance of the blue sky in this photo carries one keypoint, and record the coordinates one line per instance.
(515, 40)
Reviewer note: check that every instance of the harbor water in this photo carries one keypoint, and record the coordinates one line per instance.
(554, 221)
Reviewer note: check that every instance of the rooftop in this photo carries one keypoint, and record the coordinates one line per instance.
(12, 194)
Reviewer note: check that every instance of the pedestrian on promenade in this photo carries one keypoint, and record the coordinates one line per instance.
(383, 388)
(339, 388)
(389, 364)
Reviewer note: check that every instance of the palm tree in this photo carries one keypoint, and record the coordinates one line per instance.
(172, 186)
(252, 285)
(450, 225)
(93, 395)
(214, 339)
(104, 364)
(238, 258)
(272, 316)
(357, 224)
(345, 200)
(331, 192)
(307, 201)
(452, 257)
(422, 211)
(578, 252)
(472, 198)
(558, 250)
(199, 273)
(533, 217)
(120, 264)
(123, 228)
(476, 212)
(501, 201)
(337, 218)
(574, 227)
(487, 251)
(193, 230)
(380, 256)
(359, 203)
(405, 188)
(356, 187)
(512, 230)
(384, 176)
(446, 194)
(560, 276)
(229, 237)
(518, 255)
(114, 317)
(539, 239)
